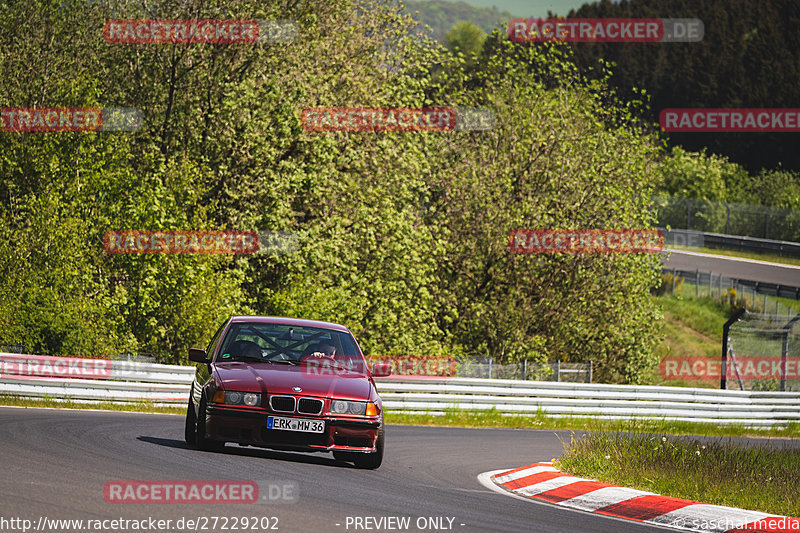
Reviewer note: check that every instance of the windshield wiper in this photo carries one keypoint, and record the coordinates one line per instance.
(250, 358)
(262, 360)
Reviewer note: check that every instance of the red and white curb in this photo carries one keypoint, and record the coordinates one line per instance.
(542, 482)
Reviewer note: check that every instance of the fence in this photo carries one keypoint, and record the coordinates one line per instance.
(753, 409)
(727, 218)
(169, 385)
(12, 348)
(754, 294)
(485, 367)
(765, 349)
(558, 371)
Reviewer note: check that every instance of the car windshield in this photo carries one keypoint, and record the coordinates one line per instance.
(286, 344)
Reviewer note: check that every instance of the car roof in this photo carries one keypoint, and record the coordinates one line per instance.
(288, 321)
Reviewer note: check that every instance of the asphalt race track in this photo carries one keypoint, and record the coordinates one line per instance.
(735, 267)
(56, 463)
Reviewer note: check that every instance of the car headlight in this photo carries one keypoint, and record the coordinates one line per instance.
(241, 398)
(251, 399)
(352, 408)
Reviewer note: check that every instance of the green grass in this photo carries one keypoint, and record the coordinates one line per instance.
(682, 340)
(772, 258)
(705, 315)
(692, 328)
(718, 472)
(139, 407)
(494, 419)
(793, 304)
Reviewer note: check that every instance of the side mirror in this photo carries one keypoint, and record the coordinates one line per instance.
(198, 355)
(381, 370)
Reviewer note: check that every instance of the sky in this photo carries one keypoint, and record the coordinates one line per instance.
(530, 8)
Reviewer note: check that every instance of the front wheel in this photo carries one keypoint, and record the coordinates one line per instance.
(190, 428)
(203, 442)
(371, 460)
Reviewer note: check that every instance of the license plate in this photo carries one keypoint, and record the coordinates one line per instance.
(295, 424)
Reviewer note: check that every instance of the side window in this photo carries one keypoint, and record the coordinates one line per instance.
(348, 345)
(215, 340)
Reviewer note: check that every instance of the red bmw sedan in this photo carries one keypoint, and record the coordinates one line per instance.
(286, 384)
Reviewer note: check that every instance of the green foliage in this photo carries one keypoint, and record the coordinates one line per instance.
(544, 166)
(465, 38)
(402, 235)
(702, 176)
(779, 188)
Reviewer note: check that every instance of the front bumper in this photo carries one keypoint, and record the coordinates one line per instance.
(249, 427)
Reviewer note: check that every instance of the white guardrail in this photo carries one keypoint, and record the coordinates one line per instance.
(169, 385)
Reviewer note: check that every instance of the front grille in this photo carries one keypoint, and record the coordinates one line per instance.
(309, 406)
(284, 404)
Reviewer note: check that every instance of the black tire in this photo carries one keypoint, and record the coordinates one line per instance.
(203, 442)
(190, 429)
(371, 460)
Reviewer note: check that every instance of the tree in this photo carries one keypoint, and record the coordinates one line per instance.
(465, 38)
(748, 58)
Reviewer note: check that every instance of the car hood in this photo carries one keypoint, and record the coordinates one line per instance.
(281, 379)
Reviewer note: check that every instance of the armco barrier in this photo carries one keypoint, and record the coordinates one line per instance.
(128, 382)
(169, 385)
(756, 409)
(682, 237)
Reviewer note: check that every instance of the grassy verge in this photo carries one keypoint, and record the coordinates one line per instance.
(719, 473)
(139, 407)
(692, 328)
(705, 315)
(494, 419)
